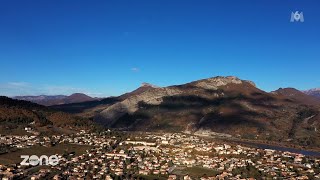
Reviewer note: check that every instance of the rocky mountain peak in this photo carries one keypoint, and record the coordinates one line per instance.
(215, 82)
(148, 85)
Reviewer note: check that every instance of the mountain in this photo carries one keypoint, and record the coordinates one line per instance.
(76, 98)
(297, 95)
(313, 92)
(220, 104)
(17, 114)
(56, 100)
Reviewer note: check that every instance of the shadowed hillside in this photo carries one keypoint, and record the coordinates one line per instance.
(17, 114)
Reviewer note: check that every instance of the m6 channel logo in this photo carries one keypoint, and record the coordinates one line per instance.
(297, 17)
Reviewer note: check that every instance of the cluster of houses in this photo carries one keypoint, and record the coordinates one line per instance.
(189, 151)
(159, 155)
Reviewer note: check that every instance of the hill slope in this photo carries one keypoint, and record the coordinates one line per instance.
(15, 114)
(297, 95)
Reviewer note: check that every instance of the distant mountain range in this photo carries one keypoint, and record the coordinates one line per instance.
(57, 99)
(313, 92)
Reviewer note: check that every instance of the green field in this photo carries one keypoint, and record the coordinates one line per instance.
(14, 157)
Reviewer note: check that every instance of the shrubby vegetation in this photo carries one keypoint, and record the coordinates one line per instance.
(14, 113)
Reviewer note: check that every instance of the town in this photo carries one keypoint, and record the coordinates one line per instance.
(128, 155)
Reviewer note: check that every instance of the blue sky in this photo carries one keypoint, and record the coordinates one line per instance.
(107, 48)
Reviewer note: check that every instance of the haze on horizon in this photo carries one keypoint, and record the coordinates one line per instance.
(105, 48)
